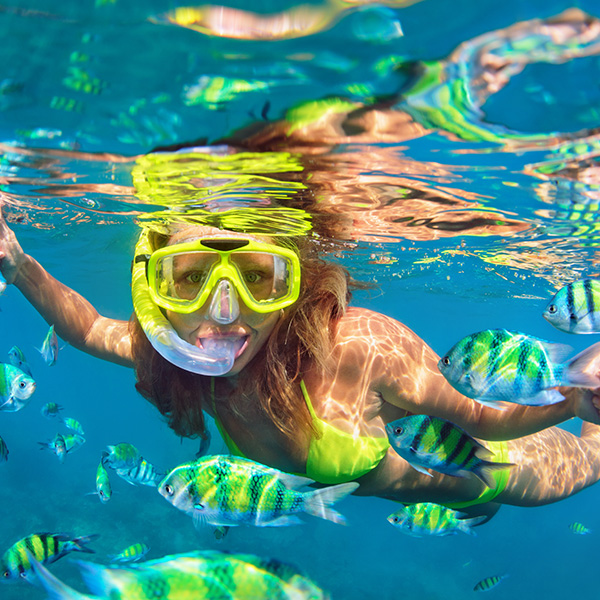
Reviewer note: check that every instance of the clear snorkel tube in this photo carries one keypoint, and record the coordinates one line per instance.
(216, 358)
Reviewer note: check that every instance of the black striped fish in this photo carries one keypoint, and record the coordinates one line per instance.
(433, 443)
(44, 547)
(486, 584)
(230, 490)
(579, 528)
(143, 473)
(427, 518)
(500, 365)
(575, 308)
(132, 553)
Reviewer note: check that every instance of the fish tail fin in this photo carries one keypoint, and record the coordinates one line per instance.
(466, 525)
(79, 544)
(56, 589)
(582, 369)
(485, 471)
(318, 503)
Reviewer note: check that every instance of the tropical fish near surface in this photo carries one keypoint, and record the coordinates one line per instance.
(427, 518)
(16, 388)
(126, 460)
(487, 583)
(43, 547)
(228, 490)
(575, 308)
(433, 443)
(208, 575)
(49, 349)
(579, 529)
(500, 365)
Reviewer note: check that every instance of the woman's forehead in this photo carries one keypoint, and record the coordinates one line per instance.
(194, 232)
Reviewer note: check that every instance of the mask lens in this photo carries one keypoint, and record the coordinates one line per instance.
(182, 276)
(265, 276)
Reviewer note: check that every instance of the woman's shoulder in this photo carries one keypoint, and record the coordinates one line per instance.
(364, 325)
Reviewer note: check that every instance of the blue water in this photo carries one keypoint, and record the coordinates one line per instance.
(76, 213)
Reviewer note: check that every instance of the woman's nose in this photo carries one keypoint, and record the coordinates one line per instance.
(224, 306)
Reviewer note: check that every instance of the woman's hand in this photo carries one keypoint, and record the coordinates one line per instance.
(585, 403)
(11, 254)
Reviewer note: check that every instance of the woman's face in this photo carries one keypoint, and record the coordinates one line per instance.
(249, 330)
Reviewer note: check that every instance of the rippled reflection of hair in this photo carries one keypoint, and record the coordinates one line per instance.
(301, 338)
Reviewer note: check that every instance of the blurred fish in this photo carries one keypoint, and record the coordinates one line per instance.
(213, 92)
(144, 474)
(122, 456)
(579, 529)
(221, 531)
(73, 425)
(3, 451)
(229, 490)
(63, 444)
(485, 585)
(43, 547)
(103, 488)
(575, 308)
(17, 359)
(500, 365)
(433, 443)
(16, 388)
(3, 284)
(50, 410)
(426, 518)
(132, 553)
(49, 349)
(81, 81)
(208, 575)
(66, 104)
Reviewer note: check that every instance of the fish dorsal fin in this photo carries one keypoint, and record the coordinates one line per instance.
(557, 353)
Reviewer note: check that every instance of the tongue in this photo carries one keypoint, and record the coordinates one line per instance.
(222, 348)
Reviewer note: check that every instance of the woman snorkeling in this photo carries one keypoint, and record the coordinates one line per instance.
(256, 331)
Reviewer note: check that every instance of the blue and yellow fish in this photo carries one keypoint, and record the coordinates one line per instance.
(575, 308)
(122, 456)
(427, 518)
(132, 553)
(433, 443)
(229, 490)
(49, 349)
(17, 358)
(43, 547)
(208, 575)
(103, 488)
(73, 425)
(486, 584)
(50, 410)
(500, 365)
(16, 388)
(63, 443)
(579, 529)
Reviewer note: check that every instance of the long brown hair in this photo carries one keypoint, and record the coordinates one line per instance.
(302, 337)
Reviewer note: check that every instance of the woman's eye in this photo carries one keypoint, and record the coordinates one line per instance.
(195, 277)
(252, 277)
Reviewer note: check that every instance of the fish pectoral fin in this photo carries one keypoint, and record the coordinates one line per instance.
(293, 482)
(420, 469)
(284, 521)
(544, 398)
(491, 404)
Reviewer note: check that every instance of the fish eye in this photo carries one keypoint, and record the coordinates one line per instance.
(552, 309)
(6, 574)
(446, 360)
(398, 430)
(169, 490)
(395, 519)
(22, 384)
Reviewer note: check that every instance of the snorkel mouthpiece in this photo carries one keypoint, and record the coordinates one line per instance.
(224, 306)
(215, 358)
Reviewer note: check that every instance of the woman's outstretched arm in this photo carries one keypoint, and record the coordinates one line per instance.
(75, 320)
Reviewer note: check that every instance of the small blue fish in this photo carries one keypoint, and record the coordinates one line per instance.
(500, 365)
(17, 358)
(103, 488)
(579, 529)
(144, 474)
(575, 308)
(486, 584)
(50, 410)
(63, 444)
(122, 456)
(49, 350)
(433, 443)
(73, 425)
(132, 553)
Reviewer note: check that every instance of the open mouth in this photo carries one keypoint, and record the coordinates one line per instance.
(239, 343)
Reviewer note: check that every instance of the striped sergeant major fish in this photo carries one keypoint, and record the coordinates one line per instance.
(433, 443)
(63, 444)
(579, 529)
(43, 547)
(103, 488)
(144, 474)
(229, 490)
(500, 365)
(17, 358)
(427, 518)
(50, 410)
(49, 349)
(486, 584)
(16, 388)
(132, 553)
(208, 575)
(575, 308)
(73, 425)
